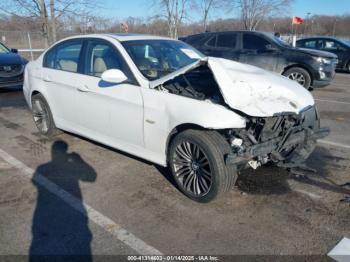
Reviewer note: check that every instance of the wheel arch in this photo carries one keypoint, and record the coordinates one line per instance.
(303, 67)
(36, 92)
(178, 129)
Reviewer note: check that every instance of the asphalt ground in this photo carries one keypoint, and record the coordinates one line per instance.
(96, 201)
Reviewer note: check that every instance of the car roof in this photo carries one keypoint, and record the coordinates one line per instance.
(269, 34)
(121, 37)
(129, 37)
(319, 37)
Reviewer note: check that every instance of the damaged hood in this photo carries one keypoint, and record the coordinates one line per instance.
(251, 90)
(257, 92)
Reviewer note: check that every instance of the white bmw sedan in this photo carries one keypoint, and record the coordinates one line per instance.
(162, 100)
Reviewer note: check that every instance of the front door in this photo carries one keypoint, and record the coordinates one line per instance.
(109, 113)
(257, 51)
(336, 48)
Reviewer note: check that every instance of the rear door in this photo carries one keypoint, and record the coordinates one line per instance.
(59, 73)
(258, 51)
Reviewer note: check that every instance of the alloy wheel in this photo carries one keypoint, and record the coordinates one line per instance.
(298, 77)
(41, 116)
(192, 169)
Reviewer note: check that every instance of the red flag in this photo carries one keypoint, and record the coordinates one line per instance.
(297, 20)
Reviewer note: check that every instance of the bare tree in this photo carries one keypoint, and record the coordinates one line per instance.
(174, 12)
(205, 7)
(254, 11)
(41, 8)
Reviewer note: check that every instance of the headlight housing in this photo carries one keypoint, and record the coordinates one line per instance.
(322, 60)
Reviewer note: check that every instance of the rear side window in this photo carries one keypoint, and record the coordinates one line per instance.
(212, 42)
(226, 40)
(49, 59)
(194, 39)
(310, 44)
(254, 42)
(64, 56)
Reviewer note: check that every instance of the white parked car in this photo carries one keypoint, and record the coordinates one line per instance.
(162, 100)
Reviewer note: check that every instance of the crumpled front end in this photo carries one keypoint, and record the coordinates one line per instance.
(286, 140)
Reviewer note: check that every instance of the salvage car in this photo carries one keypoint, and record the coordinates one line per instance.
(11, 67)
(333, 45)
(162, 100)
(310, 68)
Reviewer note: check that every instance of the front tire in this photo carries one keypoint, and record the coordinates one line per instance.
(42, 116)
(196, 160)
(299, 75)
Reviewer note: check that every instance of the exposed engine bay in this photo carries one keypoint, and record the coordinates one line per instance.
(198, 83)
(286, 139)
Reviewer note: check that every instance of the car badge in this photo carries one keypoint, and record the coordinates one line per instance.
(7, 68)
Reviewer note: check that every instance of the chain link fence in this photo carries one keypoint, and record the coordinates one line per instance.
(29, 44)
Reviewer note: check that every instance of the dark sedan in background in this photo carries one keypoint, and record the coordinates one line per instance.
(329, 44)
(11, 67)
(310, 68)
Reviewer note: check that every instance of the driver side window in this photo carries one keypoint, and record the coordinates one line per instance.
(330, 45)
(254, 42)
(102, 56)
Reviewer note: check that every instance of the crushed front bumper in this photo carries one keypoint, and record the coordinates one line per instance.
(295, 137)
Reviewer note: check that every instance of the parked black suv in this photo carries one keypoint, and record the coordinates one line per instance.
(310, 68)
(11, 67)
(329, 44)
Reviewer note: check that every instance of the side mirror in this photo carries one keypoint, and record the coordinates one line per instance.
(114, 76)
(13, 50)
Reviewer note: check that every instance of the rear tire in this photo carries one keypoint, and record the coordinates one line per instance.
(196, 160)
(299, 75)
(42, 116)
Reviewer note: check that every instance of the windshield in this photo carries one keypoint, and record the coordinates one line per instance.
(4, 49)
(345, 42)
(280, 42)
(157, 58)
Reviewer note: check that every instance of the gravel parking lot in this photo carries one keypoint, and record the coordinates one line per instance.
(115, 204)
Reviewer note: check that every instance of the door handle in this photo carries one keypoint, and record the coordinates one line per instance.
(83, 88)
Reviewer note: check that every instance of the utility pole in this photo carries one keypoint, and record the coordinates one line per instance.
(307, 23)
(334, 26)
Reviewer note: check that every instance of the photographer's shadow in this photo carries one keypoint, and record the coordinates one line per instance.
(59, 229)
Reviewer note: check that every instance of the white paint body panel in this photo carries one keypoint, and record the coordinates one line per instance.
(257, 92)
(138, 119)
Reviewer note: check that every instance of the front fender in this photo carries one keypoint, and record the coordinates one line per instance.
(163, 112)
